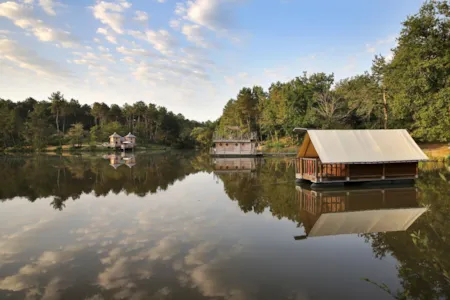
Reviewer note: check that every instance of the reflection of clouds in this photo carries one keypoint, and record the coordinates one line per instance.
(166, 249)
(132, 241)
(204, 269)
(28, 275)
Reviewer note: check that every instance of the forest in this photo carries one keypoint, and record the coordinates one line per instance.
(411, 90)
(58, 121)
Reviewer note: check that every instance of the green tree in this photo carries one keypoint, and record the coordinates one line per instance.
(76, 133)
(418, 78)
(57, 103)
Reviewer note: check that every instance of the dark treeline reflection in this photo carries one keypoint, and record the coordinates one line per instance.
(69, 177)
(268, 185)
(422, 246)
(423, 250)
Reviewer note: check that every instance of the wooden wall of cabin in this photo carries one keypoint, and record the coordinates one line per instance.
(237, 148)
(390, 170)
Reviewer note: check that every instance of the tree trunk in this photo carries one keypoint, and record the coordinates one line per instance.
(57, 121)
(385, 110)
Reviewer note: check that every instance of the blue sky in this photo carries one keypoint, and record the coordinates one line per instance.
(190, 56)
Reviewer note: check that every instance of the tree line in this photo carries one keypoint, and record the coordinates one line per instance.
(59, 121)
(411, 91)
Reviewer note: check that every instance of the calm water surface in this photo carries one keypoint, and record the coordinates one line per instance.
(183, 226)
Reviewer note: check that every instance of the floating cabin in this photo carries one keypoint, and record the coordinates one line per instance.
(357, 210)
(124, 143)
(340, 156)
(235, 143)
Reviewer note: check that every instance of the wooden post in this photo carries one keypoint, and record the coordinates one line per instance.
(315, 168)
(320, 171)
(384, 172)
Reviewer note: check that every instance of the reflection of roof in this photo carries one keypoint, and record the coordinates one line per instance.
(360, 146)
(366, 221)
(130, 164)
(115, 166)
(115, 135)
(130, 135)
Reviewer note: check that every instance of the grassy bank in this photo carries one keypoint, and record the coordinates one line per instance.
(85, 148)
(436, 152)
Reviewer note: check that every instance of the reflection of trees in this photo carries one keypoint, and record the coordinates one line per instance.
(422, 251)
(270, 186)
(69, 177)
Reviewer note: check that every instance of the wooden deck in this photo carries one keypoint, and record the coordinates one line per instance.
(313, 170)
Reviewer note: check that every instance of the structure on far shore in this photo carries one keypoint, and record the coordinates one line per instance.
(118, 142)
(340, 156)
(235, 143)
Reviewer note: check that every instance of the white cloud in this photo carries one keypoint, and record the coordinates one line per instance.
(111, 39)
(27, 59)
(175, 24)
(108, 36)
(23, 17)
(214, 14)
(161, 40)
(110, 14)
(195, 34)
(103, 49)
(161, 1)
(141, 16)
(49, 6)
(134, 51)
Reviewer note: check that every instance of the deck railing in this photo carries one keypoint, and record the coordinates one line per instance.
(313, 169)
(235, 136)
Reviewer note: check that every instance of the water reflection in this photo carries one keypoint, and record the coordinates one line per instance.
(236, 164)
(174, 226)
(117, 160)
(357, 210)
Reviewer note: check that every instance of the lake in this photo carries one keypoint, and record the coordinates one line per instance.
(185, 226)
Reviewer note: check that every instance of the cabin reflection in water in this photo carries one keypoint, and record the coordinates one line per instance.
(234, 164)
(116, 160)
(352, 211)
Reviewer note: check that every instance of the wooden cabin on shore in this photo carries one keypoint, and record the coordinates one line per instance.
(118, 142)
(235, 143)
(341, 156)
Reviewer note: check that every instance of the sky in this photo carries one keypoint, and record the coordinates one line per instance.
(189, 56)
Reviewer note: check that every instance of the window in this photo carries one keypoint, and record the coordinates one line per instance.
(220, 144)
(237, 144)
(226, 144)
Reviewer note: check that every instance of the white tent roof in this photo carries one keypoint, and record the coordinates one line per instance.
(362, 146)
(365, 221)
(130, 135)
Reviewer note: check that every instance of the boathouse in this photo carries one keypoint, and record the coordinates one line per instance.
(234, 142)
(340, 156)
